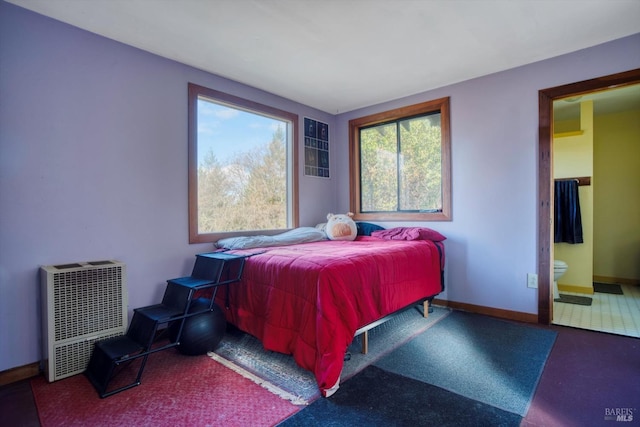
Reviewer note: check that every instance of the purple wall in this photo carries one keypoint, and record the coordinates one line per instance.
(93, 165)
(492, 242)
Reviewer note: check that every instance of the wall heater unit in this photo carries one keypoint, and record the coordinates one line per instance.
(81, 303)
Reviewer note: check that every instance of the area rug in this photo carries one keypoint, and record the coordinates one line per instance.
(495, 362)
(280, 374)
(176, 390)
(574, 299)
(376, 397)
(607, 288)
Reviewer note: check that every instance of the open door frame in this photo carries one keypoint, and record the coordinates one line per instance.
(545, 173)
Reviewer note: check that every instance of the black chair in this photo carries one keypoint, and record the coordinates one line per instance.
(112, 358)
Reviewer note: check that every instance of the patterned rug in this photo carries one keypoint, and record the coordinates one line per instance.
(280, 374)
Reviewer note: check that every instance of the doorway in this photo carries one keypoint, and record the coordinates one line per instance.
(545, 175)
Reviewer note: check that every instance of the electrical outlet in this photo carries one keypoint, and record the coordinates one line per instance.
(532, 280)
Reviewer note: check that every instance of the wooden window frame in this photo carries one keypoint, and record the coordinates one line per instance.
(436, 106)
(195, 91)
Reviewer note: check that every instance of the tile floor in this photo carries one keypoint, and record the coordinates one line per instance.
(616, 314)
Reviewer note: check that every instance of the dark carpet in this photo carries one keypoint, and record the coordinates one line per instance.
(588, 378)
(375, 397)
(574, 299)
(479, 357)
(607, 288)
(466, 369)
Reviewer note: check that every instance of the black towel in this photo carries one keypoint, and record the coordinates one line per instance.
(568, 221)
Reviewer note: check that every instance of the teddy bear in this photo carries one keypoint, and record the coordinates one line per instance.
(341, 227)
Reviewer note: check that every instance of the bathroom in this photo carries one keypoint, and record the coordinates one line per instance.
(601, 150)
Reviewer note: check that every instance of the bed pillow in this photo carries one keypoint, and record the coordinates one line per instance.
(366, 228)
(409, 233)
(291, 237)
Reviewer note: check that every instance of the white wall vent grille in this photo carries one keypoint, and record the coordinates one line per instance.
(81, 304)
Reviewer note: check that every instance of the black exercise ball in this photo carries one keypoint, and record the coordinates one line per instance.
(202, 332)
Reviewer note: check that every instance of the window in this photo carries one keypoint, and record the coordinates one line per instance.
(242, 168)
(400, 164)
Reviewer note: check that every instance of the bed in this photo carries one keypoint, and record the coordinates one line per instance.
(309, 299)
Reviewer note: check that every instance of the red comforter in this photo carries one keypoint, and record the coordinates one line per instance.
(309, 299)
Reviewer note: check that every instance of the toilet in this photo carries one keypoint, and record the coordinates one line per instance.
(559, 268)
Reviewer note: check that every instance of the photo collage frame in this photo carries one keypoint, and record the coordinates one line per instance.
(316, 148)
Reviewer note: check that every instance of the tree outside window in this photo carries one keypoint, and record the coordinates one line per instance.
(400, 164)
(241, 167)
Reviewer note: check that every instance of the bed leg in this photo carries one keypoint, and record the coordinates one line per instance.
(425, 307)
(365, 342)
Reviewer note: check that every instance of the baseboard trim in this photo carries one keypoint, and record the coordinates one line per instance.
(618, 280)
(575, 288)
(489, 311)
(20, 373)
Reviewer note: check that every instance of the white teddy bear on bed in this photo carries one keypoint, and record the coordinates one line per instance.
(341, 227)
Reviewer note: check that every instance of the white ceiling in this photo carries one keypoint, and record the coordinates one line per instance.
(337, 55)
